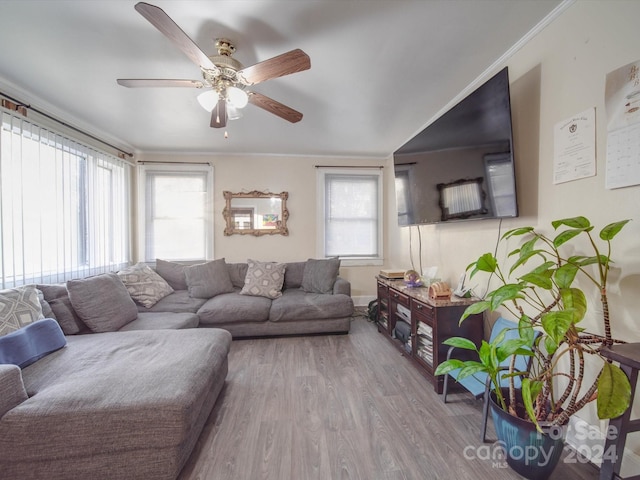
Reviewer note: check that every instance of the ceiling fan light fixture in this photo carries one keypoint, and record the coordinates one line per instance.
(233, 113)
(237, 97)
(208, 100)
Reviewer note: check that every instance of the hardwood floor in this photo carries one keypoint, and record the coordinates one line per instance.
(342, 407)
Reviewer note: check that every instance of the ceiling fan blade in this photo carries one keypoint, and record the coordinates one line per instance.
(159, 19)
(219, 114)
(272, 106)
(158, 82)
(285, 64)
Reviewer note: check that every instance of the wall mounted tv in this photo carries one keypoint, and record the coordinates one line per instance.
(461, 166)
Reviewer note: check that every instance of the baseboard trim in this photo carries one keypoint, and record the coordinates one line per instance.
(362, 300)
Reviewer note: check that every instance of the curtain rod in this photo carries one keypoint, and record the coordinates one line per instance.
(154, 162)
(350, 166)
(40, 112)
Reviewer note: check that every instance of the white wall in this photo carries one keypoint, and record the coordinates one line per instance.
(295, 175)
(559, 73)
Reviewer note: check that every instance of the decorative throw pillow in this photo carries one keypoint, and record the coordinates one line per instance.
(31, 342)
(18, 307)
(173, 273)
(57, 296)
(102, 302)
(47, 312)
(320, 275)
(144, 285)
(209, 279)
(264, 279)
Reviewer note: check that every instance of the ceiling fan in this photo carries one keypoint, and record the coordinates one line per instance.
(224, 77)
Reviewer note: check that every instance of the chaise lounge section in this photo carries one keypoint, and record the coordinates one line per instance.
(112, 405)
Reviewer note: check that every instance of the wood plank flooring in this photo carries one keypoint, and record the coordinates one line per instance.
(342, 407)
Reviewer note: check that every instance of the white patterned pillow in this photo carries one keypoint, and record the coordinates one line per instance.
(264, 279)
(18, 307)
(144, 285)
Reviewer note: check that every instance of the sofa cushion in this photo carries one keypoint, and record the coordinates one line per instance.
(233, 307)
(237, 273)
(57, 296)
(162, 320)
(208, 279)
(178, 302)
(293, 274)
(320, 275)
(144, 285)
(47, 312)
(296, 304)
(31, 342)
(173, 273)
(12, 392)
(18, 307)
(264, 279)
(86, 400)
(102, 302)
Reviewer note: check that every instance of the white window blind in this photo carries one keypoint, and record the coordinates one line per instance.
(178, 212)
(350, 209)
(64, 206)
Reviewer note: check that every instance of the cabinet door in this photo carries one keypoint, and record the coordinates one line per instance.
(383, 308)
(423, 316)
(448, 326)
(398, 302)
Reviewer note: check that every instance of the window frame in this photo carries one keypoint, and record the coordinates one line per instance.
(321, 185)
(144, 170)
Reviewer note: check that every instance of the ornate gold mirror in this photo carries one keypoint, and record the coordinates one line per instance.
(256, 213)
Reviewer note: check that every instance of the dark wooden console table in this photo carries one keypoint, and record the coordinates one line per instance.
(432, 322)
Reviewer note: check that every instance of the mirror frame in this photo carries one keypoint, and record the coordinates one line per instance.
(281, 228)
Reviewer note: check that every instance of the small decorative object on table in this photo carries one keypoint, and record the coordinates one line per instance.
(412, 279)
(439, 291)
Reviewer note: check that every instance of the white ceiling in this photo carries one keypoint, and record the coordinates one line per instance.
(380, 70)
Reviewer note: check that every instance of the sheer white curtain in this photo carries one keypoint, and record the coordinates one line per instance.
(64, 206)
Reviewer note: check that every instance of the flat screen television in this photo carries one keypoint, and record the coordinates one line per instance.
(461, 166)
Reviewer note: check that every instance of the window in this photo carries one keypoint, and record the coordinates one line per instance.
(177, 201)
(350, 209)
(461, 199)
(64, 206)
(403, 201)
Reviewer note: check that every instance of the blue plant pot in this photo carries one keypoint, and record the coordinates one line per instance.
(532, 454)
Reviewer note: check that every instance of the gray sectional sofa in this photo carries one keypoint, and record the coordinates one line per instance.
(313, 299)
(127, 390)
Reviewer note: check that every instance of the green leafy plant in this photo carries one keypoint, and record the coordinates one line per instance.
(544, 297)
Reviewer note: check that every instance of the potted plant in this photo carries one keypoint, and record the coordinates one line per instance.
(538, 288)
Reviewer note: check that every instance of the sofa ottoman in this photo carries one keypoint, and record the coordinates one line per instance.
(114, 405)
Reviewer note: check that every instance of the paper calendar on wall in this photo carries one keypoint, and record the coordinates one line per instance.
(622, 99)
